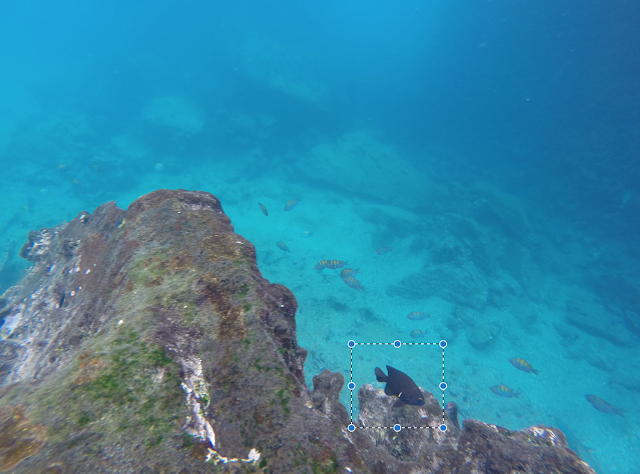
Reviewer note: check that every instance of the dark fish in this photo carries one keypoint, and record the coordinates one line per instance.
(264, 209)
(283, 247)
(335, 264)
(383, 250)
(347, 272)
(322, 264)
(291, 204)
(401, 386)
(523, 365)
(417, 334)
(417, 316)
(451, 410)
(353, 283)
(504, 391)
(600, 405)
(306, 234)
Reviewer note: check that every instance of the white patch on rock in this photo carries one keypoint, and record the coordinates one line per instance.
(197, 392)
(9, 324)
(197, 425)
(213, 457)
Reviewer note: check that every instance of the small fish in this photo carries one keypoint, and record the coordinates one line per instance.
(347, 272)
(523, 365)
(451, 410)
(335, 264)
(283, 247)
(504, 391)
(600, 405)
(383, 250)
(401, 386)
(353, 283)
(417, 334)
(264, 209)
(306, 234)
(322, 264)
(417, 316)
(291, 204)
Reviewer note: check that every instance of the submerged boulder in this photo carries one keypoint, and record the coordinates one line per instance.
(421, 446)
(147, 341)
(390, 177)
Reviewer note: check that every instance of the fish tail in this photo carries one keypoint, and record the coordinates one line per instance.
(517, 395)
(380, 375)
(618, 411)
(537, 372)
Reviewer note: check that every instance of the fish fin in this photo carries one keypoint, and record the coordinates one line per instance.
(388, 392)
(380, 375)
(398, 404)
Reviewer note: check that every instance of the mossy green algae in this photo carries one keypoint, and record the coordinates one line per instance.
(138, 390)
(134, 397)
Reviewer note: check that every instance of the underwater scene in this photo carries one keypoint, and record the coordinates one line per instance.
(415, 171)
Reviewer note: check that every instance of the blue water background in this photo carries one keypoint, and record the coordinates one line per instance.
(493, 145)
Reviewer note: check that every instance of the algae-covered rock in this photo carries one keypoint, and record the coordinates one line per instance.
(502, 210)
(421, 446)
(147, 340)
(594, 319)
(460, 284)
(389, 176)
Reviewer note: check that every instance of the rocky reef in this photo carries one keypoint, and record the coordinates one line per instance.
(420, 446)
(147, 341)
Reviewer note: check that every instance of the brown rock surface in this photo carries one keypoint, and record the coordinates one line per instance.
(134, 328)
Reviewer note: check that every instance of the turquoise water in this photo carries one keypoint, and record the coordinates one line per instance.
(493, 147)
